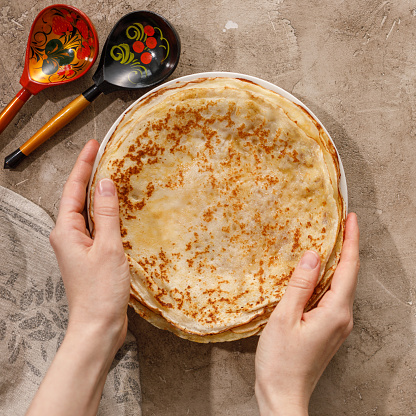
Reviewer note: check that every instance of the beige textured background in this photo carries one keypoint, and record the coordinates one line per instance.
(354, 64)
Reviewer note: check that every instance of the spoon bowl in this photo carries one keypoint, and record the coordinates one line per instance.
(62, 46)
(141, 51)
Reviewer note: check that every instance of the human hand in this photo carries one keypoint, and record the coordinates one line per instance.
(97, 283)
(295, 347)
(94, 271)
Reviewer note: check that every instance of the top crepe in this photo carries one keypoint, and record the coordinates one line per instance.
(223, 185)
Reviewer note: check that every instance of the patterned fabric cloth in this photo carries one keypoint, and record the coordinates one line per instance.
(34, 315)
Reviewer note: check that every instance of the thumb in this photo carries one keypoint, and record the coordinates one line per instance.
(106, 212)
(301, 286)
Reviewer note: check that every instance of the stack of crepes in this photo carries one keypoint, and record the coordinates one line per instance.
(223, 184)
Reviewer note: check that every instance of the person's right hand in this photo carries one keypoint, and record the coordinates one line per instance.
(295, 347)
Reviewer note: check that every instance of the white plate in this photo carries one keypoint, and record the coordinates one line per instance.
(261, 82)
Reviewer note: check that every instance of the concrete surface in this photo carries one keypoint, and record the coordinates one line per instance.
(354, 64)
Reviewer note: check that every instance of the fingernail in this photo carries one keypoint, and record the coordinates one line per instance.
(106, 187)
(309, 260)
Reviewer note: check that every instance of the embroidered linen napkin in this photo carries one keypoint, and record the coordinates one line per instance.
(34, 315)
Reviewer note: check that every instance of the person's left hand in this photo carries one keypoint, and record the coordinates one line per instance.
(97, 282)
(95, 271)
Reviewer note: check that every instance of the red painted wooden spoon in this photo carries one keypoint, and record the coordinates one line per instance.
(62, 46)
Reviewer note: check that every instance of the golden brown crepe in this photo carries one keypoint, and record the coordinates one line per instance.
(223, 185)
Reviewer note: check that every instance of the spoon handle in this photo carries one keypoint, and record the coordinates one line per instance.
(61, 119)
(9, 112)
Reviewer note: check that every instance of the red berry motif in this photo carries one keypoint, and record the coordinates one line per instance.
(146, 58)
(66, 71)
(60, 26)
(83, 28)
(138, 46)
(143, 48)
(83, 52)
(151, 43)
(145, 44)
(149, 30)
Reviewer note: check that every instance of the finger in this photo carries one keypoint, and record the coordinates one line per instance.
(344, 282)
(301, 286)
(106, 214)
(73, 196)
